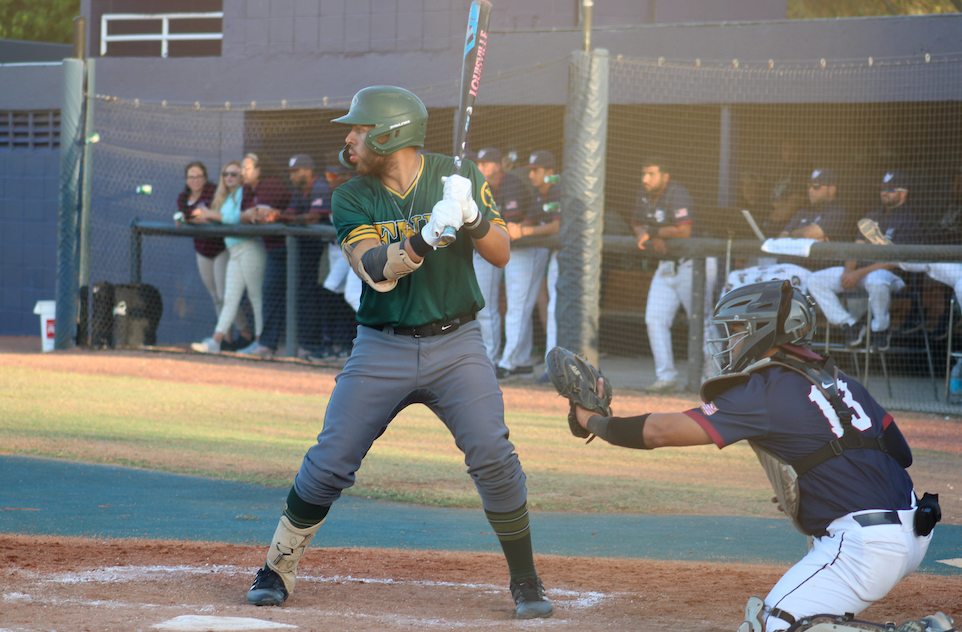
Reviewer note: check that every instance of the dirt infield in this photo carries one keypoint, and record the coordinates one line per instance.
(57, 584)
(53, 584)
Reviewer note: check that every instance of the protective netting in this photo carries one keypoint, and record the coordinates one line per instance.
(734, 135)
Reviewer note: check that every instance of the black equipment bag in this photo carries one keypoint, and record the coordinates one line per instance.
(137, 309)
(102, 319)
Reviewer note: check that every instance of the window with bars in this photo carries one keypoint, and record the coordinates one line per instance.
(30, 129)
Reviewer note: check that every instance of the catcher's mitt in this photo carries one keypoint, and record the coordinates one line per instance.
(575, 379)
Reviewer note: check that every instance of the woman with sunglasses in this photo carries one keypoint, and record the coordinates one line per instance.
(212, 254)
(245, 268)
(270, 198)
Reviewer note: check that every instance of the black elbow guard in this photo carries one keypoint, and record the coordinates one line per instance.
(628, 432)
(374, 261)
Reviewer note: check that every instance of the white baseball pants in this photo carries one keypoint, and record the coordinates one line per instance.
(489, 318)
(848, 569)
(522, 281)
(551, 327)
(825, 286)
(666, 294)
(948, 273)
(797, 275)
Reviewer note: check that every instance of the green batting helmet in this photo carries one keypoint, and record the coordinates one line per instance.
(394, 112)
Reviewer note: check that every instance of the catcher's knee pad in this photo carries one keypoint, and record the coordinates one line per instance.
(754, 616)
(287, 548)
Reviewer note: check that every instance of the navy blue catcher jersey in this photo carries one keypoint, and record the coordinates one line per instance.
(785, 413)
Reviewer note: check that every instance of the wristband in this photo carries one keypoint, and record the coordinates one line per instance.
(628, 432)
(418, 245)
(480, 227)
(598, 426)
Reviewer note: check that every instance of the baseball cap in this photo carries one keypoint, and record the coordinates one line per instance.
(894, 180)
(823, 176)
(540, 159)
(489, 154)
(301, 161)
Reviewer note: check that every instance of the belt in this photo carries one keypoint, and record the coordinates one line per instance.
(877, 518)
(433, 329)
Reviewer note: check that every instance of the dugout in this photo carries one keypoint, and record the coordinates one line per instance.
(908, 91)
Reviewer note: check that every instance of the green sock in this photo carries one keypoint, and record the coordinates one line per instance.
(514, 533)
(301, 513)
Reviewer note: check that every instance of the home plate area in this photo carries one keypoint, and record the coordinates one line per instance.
(54, 584)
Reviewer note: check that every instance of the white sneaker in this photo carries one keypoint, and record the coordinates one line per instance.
(209, 345)
(662, 386)
(257, 350)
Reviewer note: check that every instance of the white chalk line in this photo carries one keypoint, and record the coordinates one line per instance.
(115, 574)
(562, 599)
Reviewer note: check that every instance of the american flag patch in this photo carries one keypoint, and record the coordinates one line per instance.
(709, 409)
(682, 212)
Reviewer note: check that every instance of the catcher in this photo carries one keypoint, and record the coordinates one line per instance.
(834, 456)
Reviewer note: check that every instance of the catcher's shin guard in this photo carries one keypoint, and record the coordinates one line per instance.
(846, 623)
(754, 616)
(287, 547)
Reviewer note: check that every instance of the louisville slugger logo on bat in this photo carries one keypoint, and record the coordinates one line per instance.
(478, 63)
(475, 44)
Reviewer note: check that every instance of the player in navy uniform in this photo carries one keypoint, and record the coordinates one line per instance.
(834, 456)
(513, 200)
(823, 220)
(544, 219)
(665, 210)
(899, 224)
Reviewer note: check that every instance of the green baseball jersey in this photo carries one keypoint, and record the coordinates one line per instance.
(444, 287)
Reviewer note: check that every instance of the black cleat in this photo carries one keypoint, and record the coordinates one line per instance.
(881, 340)
(529, 599)
(268, 589)
(854, 334)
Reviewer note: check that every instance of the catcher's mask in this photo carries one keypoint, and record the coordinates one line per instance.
(757, 318)
(396, 114)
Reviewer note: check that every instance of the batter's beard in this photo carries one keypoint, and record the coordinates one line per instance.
(373, 164)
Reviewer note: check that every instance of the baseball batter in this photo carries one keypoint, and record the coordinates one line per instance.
(834, 456)
(418, 341)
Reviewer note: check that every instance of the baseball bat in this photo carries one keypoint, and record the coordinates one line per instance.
(475, 45)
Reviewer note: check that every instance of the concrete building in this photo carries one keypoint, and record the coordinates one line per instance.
(300, 51)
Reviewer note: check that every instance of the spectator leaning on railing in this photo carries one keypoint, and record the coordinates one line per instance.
(245, 269)
(271, 196)
(212, 254)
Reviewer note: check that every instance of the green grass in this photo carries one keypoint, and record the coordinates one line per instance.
(261, 437)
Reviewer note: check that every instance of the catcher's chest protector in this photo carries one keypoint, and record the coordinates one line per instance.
(783, 476)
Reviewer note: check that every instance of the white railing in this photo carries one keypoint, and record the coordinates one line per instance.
(164, 37)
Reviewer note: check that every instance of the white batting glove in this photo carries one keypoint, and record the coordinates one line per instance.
(446, 213)
(458, 188)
